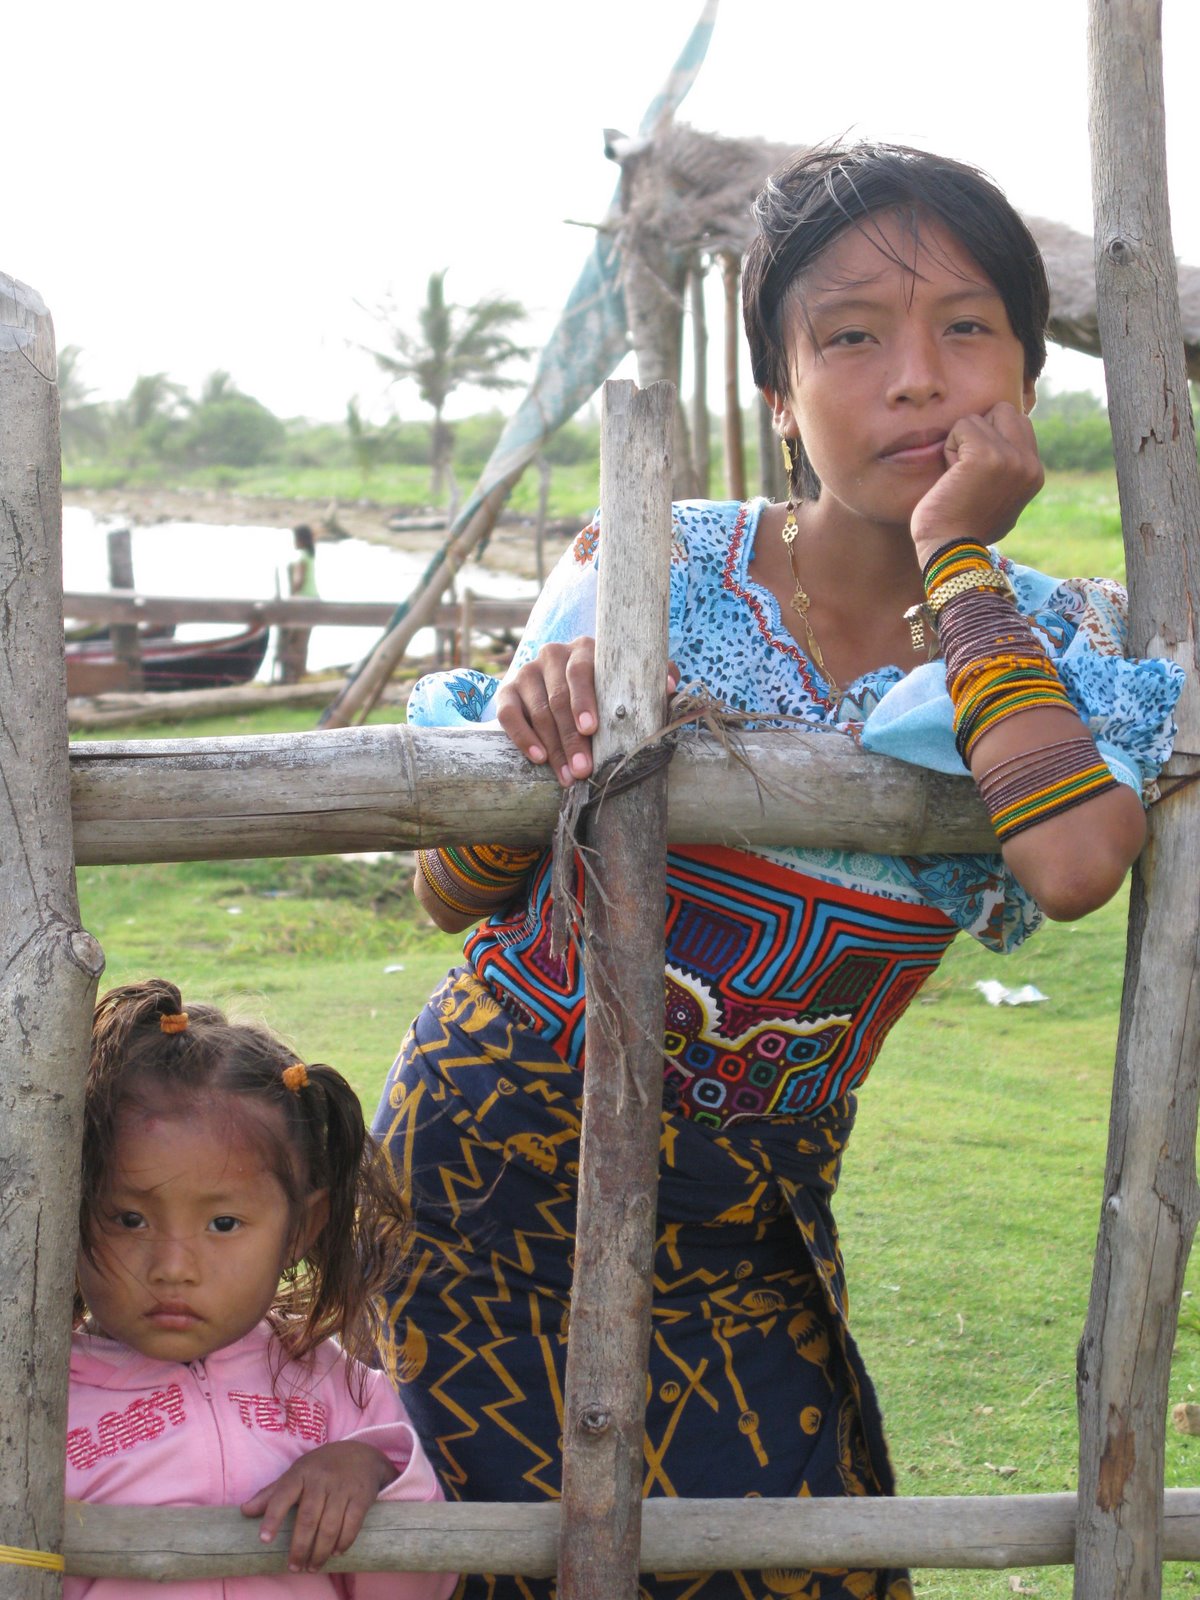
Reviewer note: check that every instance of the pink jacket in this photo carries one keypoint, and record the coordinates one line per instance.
(154, 1433)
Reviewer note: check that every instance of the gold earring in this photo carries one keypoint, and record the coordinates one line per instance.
(790, 526)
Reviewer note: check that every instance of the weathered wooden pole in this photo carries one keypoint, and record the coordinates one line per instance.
(539, 530)
(701, 452)
(735, 450)
(964, 1532)
(48, 966)
(770, 462)
(466, 627)
(359, 696)
(1150, 1202)
(126, 641)
(605, 1395)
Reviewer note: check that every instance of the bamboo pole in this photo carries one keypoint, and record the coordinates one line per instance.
(982, 1532)
(48, 966)
(1150, 1201)
(604, 1400)
(735, 450)
(394, 787)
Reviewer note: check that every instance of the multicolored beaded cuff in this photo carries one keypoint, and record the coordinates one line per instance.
(1039, 784)
(475, 880)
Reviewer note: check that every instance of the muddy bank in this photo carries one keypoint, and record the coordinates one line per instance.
(511, 548)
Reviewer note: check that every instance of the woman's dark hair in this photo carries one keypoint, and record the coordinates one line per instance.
(819, 193)
(311, 1137)
(302, 539)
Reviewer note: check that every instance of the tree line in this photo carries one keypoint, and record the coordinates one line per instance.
(447, 347)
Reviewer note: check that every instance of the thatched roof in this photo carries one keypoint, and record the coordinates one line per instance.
(685, 190)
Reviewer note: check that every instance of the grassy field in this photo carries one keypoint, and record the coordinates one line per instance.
(971, 1190)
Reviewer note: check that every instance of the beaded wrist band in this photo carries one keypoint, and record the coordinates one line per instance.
(1038, 784)
(475, 879)
(962, 555)
(995, 667)
(955, 569)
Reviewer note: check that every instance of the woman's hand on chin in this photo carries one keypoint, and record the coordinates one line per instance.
(993, 471)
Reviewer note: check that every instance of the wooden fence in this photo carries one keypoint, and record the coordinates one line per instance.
(126, 605)
(1122, 1526)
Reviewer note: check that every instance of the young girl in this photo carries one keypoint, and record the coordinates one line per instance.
(896, 308)
(235, 1219)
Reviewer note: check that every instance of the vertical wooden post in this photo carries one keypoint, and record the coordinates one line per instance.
(605, 1400)
(770, 458)
(539, 532)
(124, 635)
(1150, 1197)
(701, 463)
(466, 626)
(735, 453)
(48, 967)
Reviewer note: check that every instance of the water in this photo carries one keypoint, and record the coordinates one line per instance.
(199, 559)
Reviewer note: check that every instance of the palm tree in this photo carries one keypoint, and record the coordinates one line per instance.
(454, 346)
(219, 385)
(153, 398)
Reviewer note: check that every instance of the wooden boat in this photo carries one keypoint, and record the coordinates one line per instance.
(168, 663)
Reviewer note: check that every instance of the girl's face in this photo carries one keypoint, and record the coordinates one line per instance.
(193, 1234)
(892, 357)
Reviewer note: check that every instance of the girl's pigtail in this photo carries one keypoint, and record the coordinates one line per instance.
(361, 1246)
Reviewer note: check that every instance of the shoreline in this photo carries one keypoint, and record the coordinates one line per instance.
(511, 548)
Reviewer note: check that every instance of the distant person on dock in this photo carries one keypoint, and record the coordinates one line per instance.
(291, 650)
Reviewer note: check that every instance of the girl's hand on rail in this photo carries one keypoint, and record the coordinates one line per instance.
(332, 1487)
(993, 471)
(548, 708)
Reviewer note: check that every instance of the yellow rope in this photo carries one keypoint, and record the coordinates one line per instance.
(12, 1555)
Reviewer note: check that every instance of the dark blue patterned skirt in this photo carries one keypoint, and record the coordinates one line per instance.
(756, 1387)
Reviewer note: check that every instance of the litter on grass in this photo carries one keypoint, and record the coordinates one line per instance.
(998, 994)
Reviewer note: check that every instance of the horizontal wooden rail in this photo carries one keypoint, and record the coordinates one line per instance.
(403, 788)
(127, 605)
(984, 1531)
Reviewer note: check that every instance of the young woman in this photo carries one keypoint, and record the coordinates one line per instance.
(896, 309)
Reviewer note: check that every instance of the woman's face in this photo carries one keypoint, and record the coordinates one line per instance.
(889, 357)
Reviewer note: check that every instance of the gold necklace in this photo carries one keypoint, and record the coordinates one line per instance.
(801, 602)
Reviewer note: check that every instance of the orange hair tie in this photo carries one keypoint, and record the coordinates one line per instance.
(173, 1021)
(295, 1077)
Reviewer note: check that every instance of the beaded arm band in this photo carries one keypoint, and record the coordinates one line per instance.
(995, 668)
(1026, 789)
(475, 879)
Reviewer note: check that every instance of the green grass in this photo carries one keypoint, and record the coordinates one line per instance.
(1073, 528)
(970, 1194)
(267, 719)
(969, 1206)
(303, 945)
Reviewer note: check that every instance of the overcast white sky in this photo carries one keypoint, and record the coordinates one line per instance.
(193, 187)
